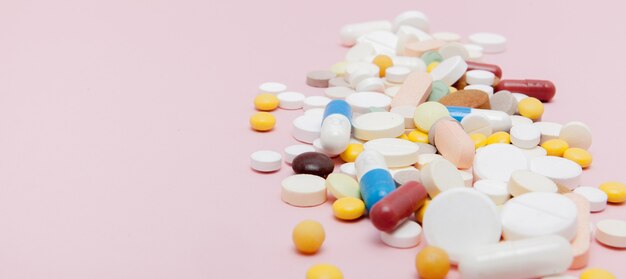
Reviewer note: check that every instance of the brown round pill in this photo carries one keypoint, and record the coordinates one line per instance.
(319, 78)
(314, 163)
(467, 98)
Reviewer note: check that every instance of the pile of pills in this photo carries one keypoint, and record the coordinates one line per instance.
(439, 146)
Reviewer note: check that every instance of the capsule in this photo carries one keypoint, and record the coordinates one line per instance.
(375, 181)
(527, 258)
(349, 33)
(495, 69)
(500, 121)
(543, 90)
(396, 207)
(336, 127)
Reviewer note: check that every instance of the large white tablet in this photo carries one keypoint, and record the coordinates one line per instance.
(498, 161)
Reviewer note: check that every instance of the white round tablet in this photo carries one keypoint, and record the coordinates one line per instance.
(525, 136)
(484, 88)
(338, 93)
(348, 169)
(397, 74)
(475, 123)
(612, 233)
(377, 125)
(562, 171)
(265, 161)
(312, 102)
(519, 120)
(538, 214)
(405, 175)
(407, 112)
(371, 84)
(498, 161)
(424, 159)
(523, 181)
(362, 102)
(460, 221)
(290, 100)
(494, 189)
(449, 70)
(303, 190)
(415, 19)
(596, 197)
(440, 175)
(535, 152)
(549, 130)
(451, 49)
(306, 128)
(491, 43)
(397, 152)
(479, 77)
(272, 87)
(406, 235)
(294, 150)
(576, 134)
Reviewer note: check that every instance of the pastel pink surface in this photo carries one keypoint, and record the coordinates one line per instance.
(124, 135)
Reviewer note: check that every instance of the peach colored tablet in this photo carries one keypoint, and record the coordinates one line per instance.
(414, 91)
(419, 48)
(454, 144)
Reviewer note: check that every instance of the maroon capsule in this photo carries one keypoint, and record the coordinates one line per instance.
(314, 163)
(397, 206)
(495, 69)
(543, 90)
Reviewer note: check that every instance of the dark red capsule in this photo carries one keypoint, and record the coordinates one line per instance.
(314, 163)
(544, 90)
(495, 69)
(397, 206)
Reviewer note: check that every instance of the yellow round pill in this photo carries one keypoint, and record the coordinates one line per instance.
(499, 137)
(431, 66)
(348, 208)
(432, 263)
(418, 136)
(266, 102)
(596, 273)
(530, 107)
(404, 137)
(308, 236)
(555, 147)
(324, 271)
(419, 214)
(262, 121)
(616, 191)
(352, 151)
(383, 62)
(479, 140)
(579, 156)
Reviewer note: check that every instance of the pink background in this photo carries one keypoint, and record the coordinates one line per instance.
(124, 137)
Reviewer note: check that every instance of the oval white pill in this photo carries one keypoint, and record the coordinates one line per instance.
(290, 100)
(576, 134)
(460, 221)
(504, 101)
(562, 171)
(523, 181)
(294, 150)
(348, 169)
(362, 102)
(272, 87)
(491, 43)
(611, 233)
(498, 161)
(496, 190)
(303, 190)
(397, 74)
(525, 136)
(440, 175)
(405, 175)
(449, 70)
(312, 102)
(265, 161)
(596, 197)
(479, 77)
(397, 152)
(377, 125)
(406, 235)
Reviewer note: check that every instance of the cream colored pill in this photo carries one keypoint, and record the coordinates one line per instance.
(523, 181)
(338, 93)
(519, 120)
(428, 113)
(476, 124)
(580, 244)
(377, 125)
(362, 102)
(612, 233)
(496, 190)
(265, 161)
(576, 134)
(407, 235)
(342, 185)
(397, 152)
(525, 136)
(440, 175)
(404, 175)
(303, 190)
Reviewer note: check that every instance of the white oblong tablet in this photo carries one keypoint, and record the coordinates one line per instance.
(406, 235)
(307, 128)
(525, 136)
(549, 130)
(372, 84)
(272, 87)
(397, 152)
(520, 120)
(538, 214)
(440, 175)
(397, 74)
(449, 70)
(338, 93)
(424, 159)
(294, 150)
(405, 175)
(562, 171)
(362, 102)
(265, 161)
(460, 221)
(491, 42)
(484, 88)
(312, 102)
(377, 125)
(290, 100)
(597, 198)
(303, 190)
(447, 36)
(498, 161)
(523, 181)
(494, 189)
(407, 112)
(348, 169)
(479, 77)
(611, 233)
(475, 123)
(452, 49)
(342, 185)
(576, 134)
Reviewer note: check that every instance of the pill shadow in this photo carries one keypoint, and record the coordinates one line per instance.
(609, 247)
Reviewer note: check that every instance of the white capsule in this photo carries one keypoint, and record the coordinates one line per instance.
(335, 133)
(369, 160)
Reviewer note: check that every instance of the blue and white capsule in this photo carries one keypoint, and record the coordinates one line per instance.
(336, 127)
(500, 121)
(375, 181)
